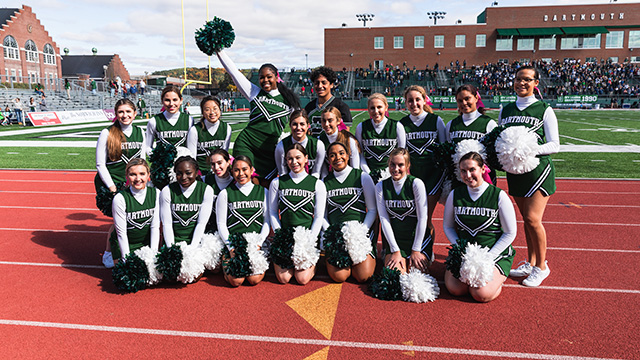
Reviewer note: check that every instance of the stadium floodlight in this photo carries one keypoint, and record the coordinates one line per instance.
(364, 18)
(435, 15)
(495, 3)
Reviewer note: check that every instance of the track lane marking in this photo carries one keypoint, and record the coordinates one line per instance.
(46, 208)
(57, 231)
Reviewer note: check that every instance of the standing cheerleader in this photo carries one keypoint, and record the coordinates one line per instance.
(378, 137)
(219, 178)
(241, 208)
(299, 124)
(424, 130)
(323, 79)
(402, 201)
(331, 120)
(531, 190)
(136, 212)
(170, 126)
(185, 206)
(271, 104)
(212, 133)
(297, 199)
(117, 145)
(351, 196)
(481, 214)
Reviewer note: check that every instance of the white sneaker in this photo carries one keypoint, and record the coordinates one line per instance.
(524, 269)
(107, 260)
(536, 277)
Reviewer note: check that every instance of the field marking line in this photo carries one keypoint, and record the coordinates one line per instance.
(46, 208)
(578, 139)
(572, 288)
(291, 340)
(57, 231)
(46, 192)
(53, 265)
(598, 125)
(570, 223)
(51, 181)
(622, 251)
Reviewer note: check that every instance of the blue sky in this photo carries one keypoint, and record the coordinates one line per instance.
(147, 34)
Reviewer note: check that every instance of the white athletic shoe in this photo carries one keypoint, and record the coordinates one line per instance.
(536, 277)
(524, 269)
(107, 260)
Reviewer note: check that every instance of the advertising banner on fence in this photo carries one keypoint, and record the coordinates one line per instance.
(578, 99)
(70, 117)
(504, 98)
(44, 118)
(445, 99)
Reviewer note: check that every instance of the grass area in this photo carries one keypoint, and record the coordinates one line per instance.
(597, 165)
(47, 158)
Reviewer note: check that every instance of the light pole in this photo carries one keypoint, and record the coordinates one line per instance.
(306, 59)
(435, 15)
(364, 18)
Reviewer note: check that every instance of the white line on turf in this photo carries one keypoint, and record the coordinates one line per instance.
(53, 265)
(291, 340)
(51, 181)
(57, 231)
(570, 249)
(46, 208)
(51, 193)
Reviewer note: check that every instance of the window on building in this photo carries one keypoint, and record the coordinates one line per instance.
(378, 42)
(613, 59)
(438, 41)
(547, 43)
(635, 59)
(418, 42)
(525, 44)
(481, 40)
(398, 42)
(49, 55)
(503, 61)
(591, 60)
(580, 42)
(461, 40)
(614, 40)
(13, 75)
(20, 79)
(634, 39)
(31, 51)
(11, 50)
(504, 44)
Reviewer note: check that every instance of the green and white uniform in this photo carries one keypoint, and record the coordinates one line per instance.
(185, 212)
(315, 151)
(175, 135)
(246, 213)
(378, 141)
(420, 142)
(134, 221)
(203, 141)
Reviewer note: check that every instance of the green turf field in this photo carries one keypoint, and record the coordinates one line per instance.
(577, 127)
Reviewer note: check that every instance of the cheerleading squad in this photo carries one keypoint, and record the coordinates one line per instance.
(283, 199)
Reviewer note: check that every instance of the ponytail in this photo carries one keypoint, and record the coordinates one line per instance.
(114, 141)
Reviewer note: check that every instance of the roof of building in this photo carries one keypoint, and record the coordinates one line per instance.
(5, 14)
(72, 65)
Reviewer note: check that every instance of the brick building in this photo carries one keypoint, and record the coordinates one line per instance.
(586, 32)
(30, 54)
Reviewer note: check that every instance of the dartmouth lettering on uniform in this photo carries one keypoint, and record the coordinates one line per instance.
(379, 142)
(270, 101)
(296, 192)
(422, 135)
(343, 191)
(535, 122)
(211, 144)
(467, 134)
(140, 214)
(173, 134)
(185, 207)
(475, 211)
(400, 203)
(129, 145)
(252, 204)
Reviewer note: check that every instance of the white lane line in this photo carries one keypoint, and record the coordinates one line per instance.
(600, 192)
(570, 223)
(583, 140)
(57, 231)
(53, 193)
(51, 181)
(570, 249)
(597, 206)
(290, 340)
(569, 288)
(53, 265)
(47, 208)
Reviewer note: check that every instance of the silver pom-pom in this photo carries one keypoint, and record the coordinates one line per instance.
(419, 287)
(181, 151)
(192, 265)
(212, 245)
(446, 190)
(149, 257)
(464, 147)
(517, 148)
(257, 258)
(477, 266)
(356, 240)
(305, 253)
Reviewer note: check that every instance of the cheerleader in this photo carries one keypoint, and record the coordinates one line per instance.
(136, 212)
(424, 129)
(297, 199)
(299, 124)
(402, 201)
(242, 208)
(270, 103)
(218, 178)
(170, 126)
(531, 190)
(323, 79)
(495, 229)
(351, 196)
(378, 137)
(186, 205)
(212, 133)
(331, 120)
(116, 145)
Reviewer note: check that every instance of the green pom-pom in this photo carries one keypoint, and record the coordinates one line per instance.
(334, 247)
(162, 158)
(282, 247)
(169, 261)
(104, 198)
(489, 142)
(442, 154)
(131, 274)
(454, 258)
(237, 266)
(214, 36)
(386, 285)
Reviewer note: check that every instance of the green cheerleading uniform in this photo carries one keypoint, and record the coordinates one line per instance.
(246, 212)
(175, 135)
(311, 147)
(478, 222)
(210, 179)
(296, 202)
(131, 148)
(345, 202)
(258, 140)
(458, 131)
(420, 142)
(377, 147)
(139, 219)
(185, 211)
(207, 143)
(543, 177)
(403, 217)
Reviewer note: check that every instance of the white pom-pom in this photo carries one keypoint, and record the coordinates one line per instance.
(464, 147)
(180, 151)
(305, 253)
(257, 259)
(419, 287)
(192, 265)
(149, 257)
(212, 245)
(446, 190)
(356, 240)
(477, 266)
(284, 135)
(517, 148)
(384, 174)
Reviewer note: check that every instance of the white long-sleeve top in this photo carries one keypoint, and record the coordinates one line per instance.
(281, 161)
(318, 211)
(550, 124)
(102, 153)
(222, 208)
(506, 214)
(119, 210)
(203, 216)
(401, 136)
(419, 119)
(368, 188)
(152, 132)
(468, 119)
(420, 196)
(248, 89)
(354, 158)
(212, 128)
